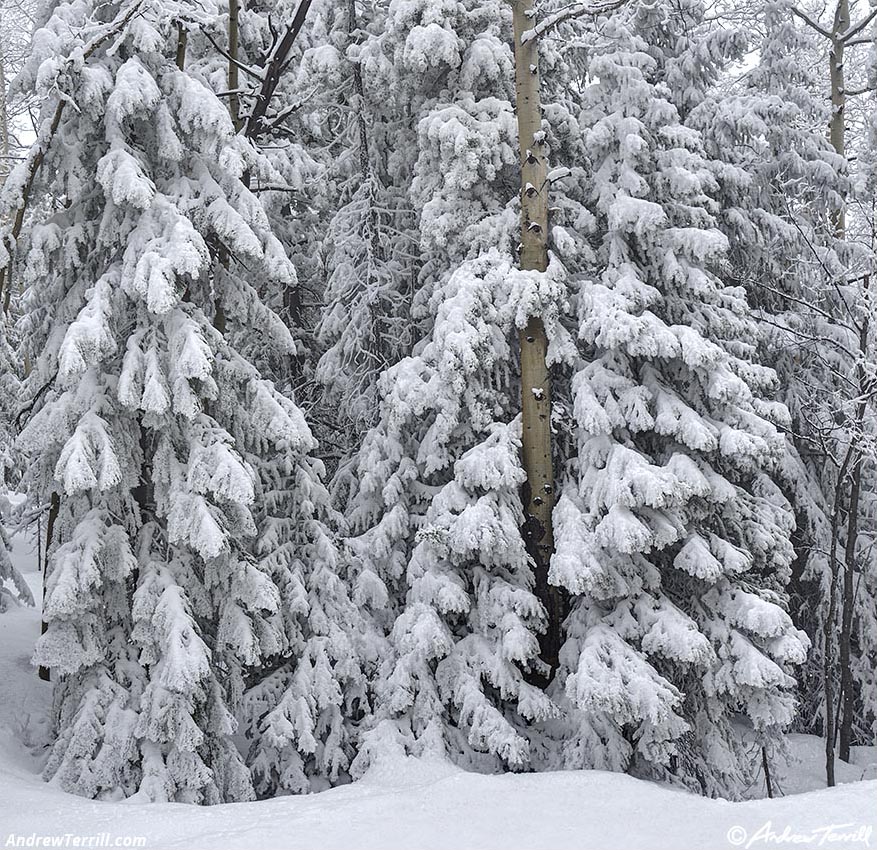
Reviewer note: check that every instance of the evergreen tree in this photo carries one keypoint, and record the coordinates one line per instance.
(783, 191)
(263, 240)
(672, 539)
(445, 471)
(150, 429)
(371, 246)
(13, 588)
(780, 188)
(458, 602)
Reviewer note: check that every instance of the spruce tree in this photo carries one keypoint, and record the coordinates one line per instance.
(150, 428)
(672, 538)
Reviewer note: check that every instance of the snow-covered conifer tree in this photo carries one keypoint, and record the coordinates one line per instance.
(671, 536)
(13, 588)
(780, 187)
(366, 324)
(782, 190)
(169, 580)
(452, 74)
(444, 465)
(437, 513)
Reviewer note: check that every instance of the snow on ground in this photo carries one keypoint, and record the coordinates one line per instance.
(806, 769)
(416, 804)
(419, 804)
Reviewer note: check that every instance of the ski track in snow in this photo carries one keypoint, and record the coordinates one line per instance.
(411, 803)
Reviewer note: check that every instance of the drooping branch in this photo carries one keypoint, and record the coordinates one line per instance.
(250, 72)
(33, 402)
(857, 92)
(573, 10)
(278, 119)
(44, 140)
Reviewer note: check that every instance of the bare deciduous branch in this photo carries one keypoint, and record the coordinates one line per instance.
(811, 23)
(573, 10)
(275, 67)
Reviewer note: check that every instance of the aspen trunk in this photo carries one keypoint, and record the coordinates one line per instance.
(4, 116)
(5, 166)
(234, 103)
(837, 137)
(535, 386)
(182, 42)
(837, 125)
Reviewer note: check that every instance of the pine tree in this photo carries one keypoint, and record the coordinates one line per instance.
(246, 230)
(442, 460)
(784, 189)
(303, 707)
(780, 186)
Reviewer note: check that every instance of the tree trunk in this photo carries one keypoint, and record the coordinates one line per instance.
(837, 125)
(4, 116)
(535, 386)
(846, 670)
(234, 107)
(182, 42)
(846, 632)
(765, 766)
(5, 166)
(837, 137)
(359, 91)
(54, 509)
(828, 623)
(234, 103)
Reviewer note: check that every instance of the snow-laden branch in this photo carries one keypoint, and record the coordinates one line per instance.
(573, 10)
(857, 92)
(44, 140)
(247, 69)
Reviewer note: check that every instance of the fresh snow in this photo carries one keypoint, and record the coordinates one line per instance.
(420, 804)
(260, 383)
(413, 803)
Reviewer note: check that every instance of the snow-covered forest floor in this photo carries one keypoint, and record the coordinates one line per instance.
(411, 803)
